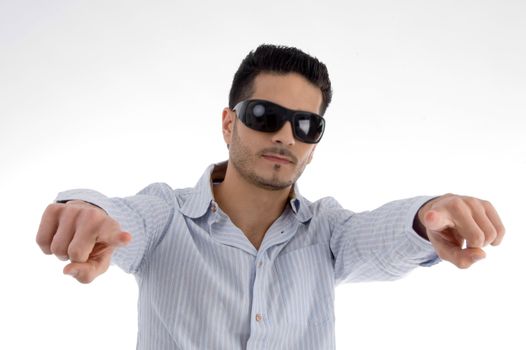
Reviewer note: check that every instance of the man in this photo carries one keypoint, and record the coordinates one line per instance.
(243, 261)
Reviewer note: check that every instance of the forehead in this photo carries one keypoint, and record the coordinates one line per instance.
(289, 90)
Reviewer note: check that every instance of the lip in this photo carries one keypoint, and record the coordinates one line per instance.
(277, 158)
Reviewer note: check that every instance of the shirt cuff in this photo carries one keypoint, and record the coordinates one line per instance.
(85, 195)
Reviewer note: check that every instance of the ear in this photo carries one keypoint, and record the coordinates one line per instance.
(228, 125)
(311, 154)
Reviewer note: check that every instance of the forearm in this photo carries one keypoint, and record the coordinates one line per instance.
(381, 244)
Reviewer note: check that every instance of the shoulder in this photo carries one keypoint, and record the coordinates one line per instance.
(167, 193)
(326, 211)
(323, 206)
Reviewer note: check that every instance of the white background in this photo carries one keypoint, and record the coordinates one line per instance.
(429, 98)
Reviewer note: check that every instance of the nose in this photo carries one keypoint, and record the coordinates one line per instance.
(284, 135)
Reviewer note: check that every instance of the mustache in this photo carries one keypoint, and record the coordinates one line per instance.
(279, 151)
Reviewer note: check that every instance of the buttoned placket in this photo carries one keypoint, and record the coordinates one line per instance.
(278, 234)
(281, 231)
(259, 316)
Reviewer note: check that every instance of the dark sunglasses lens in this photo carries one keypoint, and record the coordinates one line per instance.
(308, 127)
(262, 117)
(268, 117)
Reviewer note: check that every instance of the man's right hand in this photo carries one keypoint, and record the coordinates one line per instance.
(82, 233)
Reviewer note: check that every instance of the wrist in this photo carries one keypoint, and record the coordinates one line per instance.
(419, 228)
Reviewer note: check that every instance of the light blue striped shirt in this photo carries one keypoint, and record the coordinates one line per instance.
(203, 285)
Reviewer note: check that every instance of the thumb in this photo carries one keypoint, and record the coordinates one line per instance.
(462, 258)
(98, 263)
(99, 258)
(435, 220)
(86, 272)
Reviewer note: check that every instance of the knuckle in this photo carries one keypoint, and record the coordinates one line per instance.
(492, 232)
(456, 203)
(76, 254)
(473, 202)
(92, 215)
(477, 238)
(491, 238)
(448, 195)
(69, 212)
(58, 248)
(43, 243)
(89, 213)
(469, 200)
(53, 208)
(486, 204)
(74, 202)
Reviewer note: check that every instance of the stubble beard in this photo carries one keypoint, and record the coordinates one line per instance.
(242, 159)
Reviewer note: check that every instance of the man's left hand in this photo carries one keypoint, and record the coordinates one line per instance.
(459, 227)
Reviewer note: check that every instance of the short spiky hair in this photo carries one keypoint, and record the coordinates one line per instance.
(280, 60)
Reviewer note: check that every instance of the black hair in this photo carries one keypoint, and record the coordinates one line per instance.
(280, 60)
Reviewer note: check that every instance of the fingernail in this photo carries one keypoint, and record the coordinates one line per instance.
(72, 273)
(63, 258)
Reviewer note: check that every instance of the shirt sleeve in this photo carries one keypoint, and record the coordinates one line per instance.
(379, 244)
(145, 216)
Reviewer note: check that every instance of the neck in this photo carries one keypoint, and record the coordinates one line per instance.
(251, 208)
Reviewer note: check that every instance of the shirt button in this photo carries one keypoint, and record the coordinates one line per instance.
(213, 208)
(259, 317)
(260, 263)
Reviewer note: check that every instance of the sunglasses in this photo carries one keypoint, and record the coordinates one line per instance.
(265, 116)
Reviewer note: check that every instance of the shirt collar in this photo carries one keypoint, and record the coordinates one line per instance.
(200, 198)
(299, 205)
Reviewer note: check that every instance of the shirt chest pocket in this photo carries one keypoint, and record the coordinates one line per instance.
(306, 286)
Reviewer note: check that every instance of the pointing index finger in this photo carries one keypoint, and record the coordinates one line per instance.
(437, 220)
(111, 234)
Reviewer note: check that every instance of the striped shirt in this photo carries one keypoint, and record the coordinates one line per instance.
(203, 285)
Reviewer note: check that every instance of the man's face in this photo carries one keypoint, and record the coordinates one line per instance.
(275, 160)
